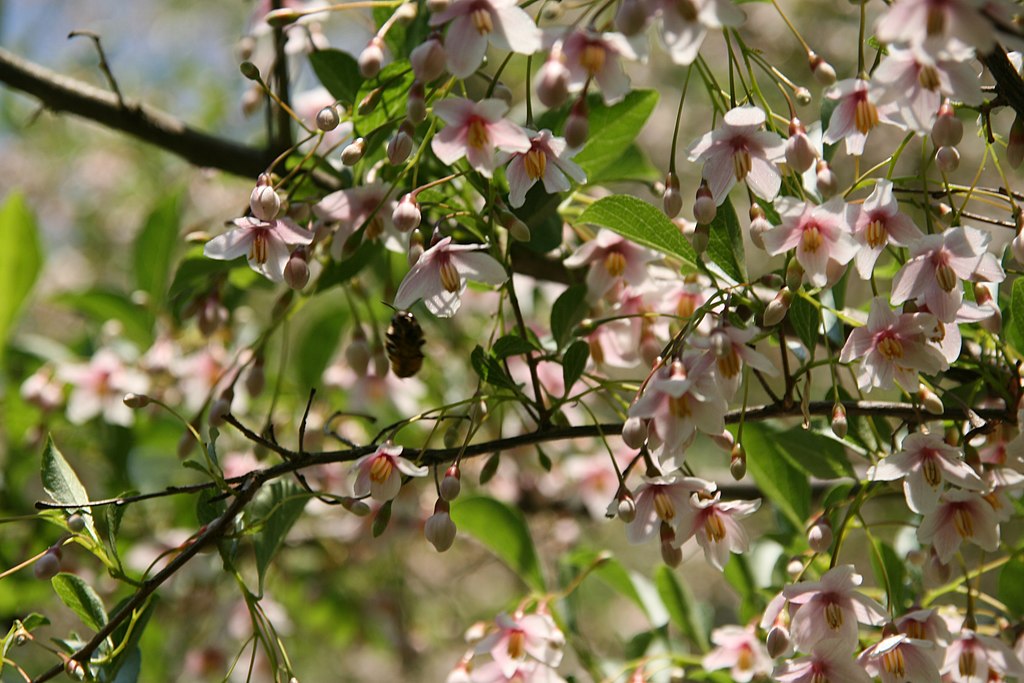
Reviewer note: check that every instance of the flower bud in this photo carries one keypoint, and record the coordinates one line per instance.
(264, 203)
(777, 642)
(1017, 247)
(671, 199)
(250, 71)
(947, 159)
(371, 58)
(738, 462)
(822, 70)
(724, 440)
(794, 275)
(625, 508)
(517, 229)
(246, 45)
(935, 571)
(279, 18)
(380, 362)
(296, 271)
(776, 310)
(800, 153)
(400, 144)
(220, 408)
(136, 401)
(252, 100)
(759, 225)
(803, 96)
(416, 106)
(634, 432)
(930, 400)
(357, 353)
(256, 378)
(704, 209)
(1015, 143)
(76, 523)
(74, 669)
(370, 102)
(406, 215)
(700, 238)
(353, 152)
(840, 425)
(451, 485)
(47, 566)
(355, 506)
(415, 248)
(828, 184)
(819, 536)
(948, 130)
(553, 81)
(478, 410)
(327, 119)
(631, 17)
(428, 59)
(440, 529)
(670, 554)
(577, 126)
(794, 568)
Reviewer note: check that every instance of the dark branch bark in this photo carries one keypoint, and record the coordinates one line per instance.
(1009, 85)
(62, 94)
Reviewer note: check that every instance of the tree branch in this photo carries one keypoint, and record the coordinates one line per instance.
(1008, 82)
(63, 94)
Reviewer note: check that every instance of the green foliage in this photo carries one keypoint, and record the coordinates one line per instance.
(783, 484)
(573, 363)
(725, 243)
(339, 73)
(391, 88)
(612, 130)
(63, 486)
(502, 530)
(490, 369)
(1011, 586)
(155, 246)
(1015, 328)
(19, 266)
(891, 572)
(80, 597)
(101, 305)
(682, 608)
(277, 510)
(803, 316)
(569, 309)
(642, 223)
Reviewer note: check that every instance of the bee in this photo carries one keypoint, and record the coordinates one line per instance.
(403, 344)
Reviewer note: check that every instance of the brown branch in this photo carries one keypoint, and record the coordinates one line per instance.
(63, 94)
(1009, 84)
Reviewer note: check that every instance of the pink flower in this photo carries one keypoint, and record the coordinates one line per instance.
(520, 638)
(925, 462)
(727, 345)
(716, 527)
(915, 21)
(685, 24)
(266, 243)
(662, 500)
(526, 672)
(379, 474)
(917, 77)
(98, 388)
(937, 265)
(820, 234)
(893, 347)
(974, 658)
(829, 662)
(365, 205)
(899, 658)
(877, 223)
(856, 113)
(739, 150)
(439, 276)
(475, 130)
(612, 259)
(924, 624)
(959, 516)
(547, 160)
(740, 650)
(475, 22)
(830, 609)
(597, 56)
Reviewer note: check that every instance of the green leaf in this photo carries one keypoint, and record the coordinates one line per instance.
(340, 272)
(574, 361)
(318, 343)
(502, 530)
(339, 73)
(194, 273)
(62, 485)
(642, 223)
(381, 519)
(154, 248)
(569, 309)
(890, 571)
(282, 507)
(102, 305)
(1017, 314)
(680, 605)
(633, 586)
(613, 129)
(632, 165)
(489, 369)
(392, 85)
(125, 667)
(511, 345)
(725, 243)
(739, 575)
(21, 259)
(81, 598)
(1011, 586)
(816, 454)
(490, 468)
(785, 486)
(803, 316)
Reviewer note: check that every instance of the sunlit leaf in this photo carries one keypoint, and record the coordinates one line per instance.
(569, 309)
(573, 363)
(81, 598)
(154, 248)
(20, 260)
(1011, 586)
(391, 90)
(503, 531)
(642, 223)
(725, 243)
(682, 608)
(339, 73)
(279, 509)
(785, 486)
(612, 129)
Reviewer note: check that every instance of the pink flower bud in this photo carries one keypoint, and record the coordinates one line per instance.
(415, 248)
(634, 432)
(371, 58)
(828, 184)
(577, 127)
(800, 153)
(220, 408)
(357, 353)
(296, 271)
(700, 238)
(1017, 247)
(400, 145)
(47, 566)
(355, 506)
(803, 96)
(353, 152)
(777, 642)
(626, 508)
(211, 316)
(726, 441)
(948, 130)
(1015, 143)
(428, 59)
(819, 536)
(738, 462)
(136, 401)
(406, 215)
(631, 17)
(440, 529)
(256, 378)
(416, 105)
(930, 400)
(327, 119)
(451, 485)
(670, 554)
(794, 275)
(759, 225)
(822, 70)
(936, 572)
(947, 159)
(840, 425)
(553, 81)
(776, 310)
(671, 199)
(704, 208)
(264, 203)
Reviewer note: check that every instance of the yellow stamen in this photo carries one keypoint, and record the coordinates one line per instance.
(914, 629)
(714, 529)
(593, 58)
(477, 136)
(663, 506)
(930, 469)
(946, 276)
(819, 677)
(375, 228)
(865, 116)
(811, 240)
(745, 659)
(928, 77)
(516, 644)
(729, 363)
(894, 663)
(615, 263)
(963, 522)
(450, 279)
(967, 664)
(891, 348)
(679, 407)
(258, 250)
(935, 24)
(482, 21)
(833, 615)
(876, 234)
(741, 164)
(536, 162)
(381, 469)
(993, 500)
(686, 306)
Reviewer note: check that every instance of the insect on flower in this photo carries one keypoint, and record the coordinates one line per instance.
(403, 344)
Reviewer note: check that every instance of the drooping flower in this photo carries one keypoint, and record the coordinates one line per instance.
(662, 500)
(830, 609)
(915, 21)
(893, 347)
(932, 276)
(355, 207)
(265, 241)
(974, 658)
(527, 671)
(715, 525)
(959, 516)
(739, 650)
(925, 462)
(519, 638)
(900, 658)
(99, 386)
(612, 259)
(549, 160)
(820, 234)
(475, 130)
(439, 276)
(739, 150)
(877, 223)
(379, 474)
(685, 24)
(829, 662)
(856, 114)
(474, 23)
(924, 624)
(598, 56)
(727, 345)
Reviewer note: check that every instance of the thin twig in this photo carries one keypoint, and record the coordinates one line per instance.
(104, 64)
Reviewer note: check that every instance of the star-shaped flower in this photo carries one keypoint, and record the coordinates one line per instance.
(439, 276)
